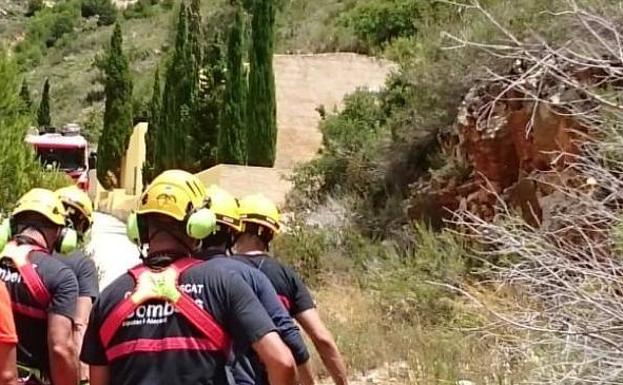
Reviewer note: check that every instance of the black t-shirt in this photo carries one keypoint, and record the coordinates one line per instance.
(32, 332)
(265, 292)
(286, 281)
(85, 270)
(221, 293)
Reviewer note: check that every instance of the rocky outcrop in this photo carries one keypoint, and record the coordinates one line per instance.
(508, 143)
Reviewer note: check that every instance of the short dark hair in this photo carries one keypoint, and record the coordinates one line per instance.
(164, 222)
(33, 219)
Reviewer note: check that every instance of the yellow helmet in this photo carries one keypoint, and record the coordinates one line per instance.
(177, 194)
(225, 207)
(44, 202)
(77, 201)
(260, 210)
(174, 193)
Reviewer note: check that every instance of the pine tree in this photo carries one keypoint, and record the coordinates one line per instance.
(155, 106)
(24, 95)
(176, 124)
(117, 114)
(232, 133)
(43, 113)
(261, 103)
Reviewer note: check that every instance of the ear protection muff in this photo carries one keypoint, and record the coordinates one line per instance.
(200, 224)
(132, 229)
(5, 232)
(67, 241)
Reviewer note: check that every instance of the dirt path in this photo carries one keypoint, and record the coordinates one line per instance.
(397, 373)
(112, 251)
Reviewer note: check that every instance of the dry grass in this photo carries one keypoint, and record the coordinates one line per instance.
(408, 353)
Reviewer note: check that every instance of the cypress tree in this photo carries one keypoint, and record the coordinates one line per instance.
(43, 113)
(195, 35)
(24, 95)
(176, 122)
(117, 129)
(261, 103)
(232, 133)
(196, 126)
(155, 106)
(212, 89)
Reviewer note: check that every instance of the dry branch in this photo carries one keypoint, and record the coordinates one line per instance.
(569, 271)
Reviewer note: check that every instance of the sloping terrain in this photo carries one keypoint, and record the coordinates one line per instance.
(303, 83)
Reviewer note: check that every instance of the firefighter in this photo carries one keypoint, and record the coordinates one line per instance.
(259, 222)
(79, 209)
(215, 249)
(172, 320)
(43, 290)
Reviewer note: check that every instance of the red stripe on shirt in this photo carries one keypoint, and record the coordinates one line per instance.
(144, 345)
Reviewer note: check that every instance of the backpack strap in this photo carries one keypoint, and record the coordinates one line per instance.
(285, 301)
(163, 285)
(19, 254)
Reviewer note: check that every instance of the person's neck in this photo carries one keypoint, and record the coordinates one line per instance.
(250, 245)
(34, 236)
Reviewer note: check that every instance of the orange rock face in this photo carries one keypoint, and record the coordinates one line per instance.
(505, 141)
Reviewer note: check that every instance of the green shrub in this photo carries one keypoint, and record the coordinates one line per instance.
(350, 139)
(307, 26)
(94, 125)
(45, 29)
(378, 22)
(355, 125)
(304, 248)
(33, 7)
(105, 10)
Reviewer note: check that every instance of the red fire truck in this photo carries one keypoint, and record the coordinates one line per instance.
(67, 151)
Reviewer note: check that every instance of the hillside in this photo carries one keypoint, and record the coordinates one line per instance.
(462, 223)
(69, 63)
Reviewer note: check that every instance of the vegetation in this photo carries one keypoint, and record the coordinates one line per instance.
(176, 119)
(104, 10)
(232, 141)
(154, 120)
(261, 101)
(44, 120)
(118, 114)
(394, 286)
(20, 169)
(211, 96)
(24, 94)
(47, 28)
(352, 219)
